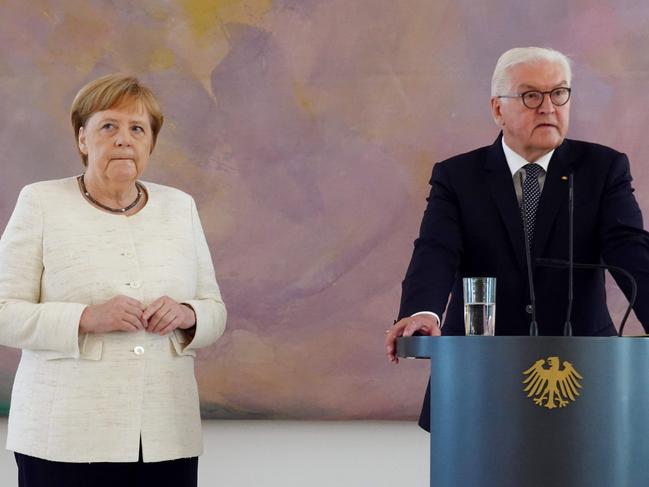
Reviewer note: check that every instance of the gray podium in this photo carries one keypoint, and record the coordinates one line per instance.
(487, 430)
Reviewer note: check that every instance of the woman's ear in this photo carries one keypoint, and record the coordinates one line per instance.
(82, 141)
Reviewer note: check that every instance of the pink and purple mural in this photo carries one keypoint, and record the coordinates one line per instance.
(306, 130)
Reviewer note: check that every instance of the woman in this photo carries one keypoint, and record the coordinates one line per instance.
(107, 286)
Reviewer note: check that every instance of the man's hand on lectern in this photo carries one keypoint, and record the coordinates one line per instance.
(420, 324)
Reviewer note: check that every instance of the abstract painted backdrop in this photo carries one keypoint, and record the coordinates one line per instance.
(307, 130)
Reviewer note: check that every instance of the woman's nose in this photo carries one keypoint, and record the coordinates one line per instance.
(123, 138)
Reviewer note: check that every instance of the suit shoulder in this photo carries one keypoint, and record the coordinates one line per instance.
(52, 187)
(466, 160)
(51, 184)
(593, 150)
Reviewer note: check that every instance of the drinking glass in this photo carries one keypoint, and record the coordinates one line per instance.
(480, 305)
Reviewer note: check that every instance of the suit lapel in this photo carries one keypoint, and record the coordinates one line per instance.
(554, 195)
(499, 180)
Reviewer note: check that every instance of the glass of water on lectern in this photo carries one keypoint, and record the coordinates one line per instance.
(480, 305)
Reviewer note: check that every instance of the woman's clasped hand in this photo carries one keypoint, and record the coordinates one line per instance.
(123, 313)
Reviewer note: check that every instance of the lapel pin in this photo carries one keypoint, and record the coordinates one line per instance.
(564, 178)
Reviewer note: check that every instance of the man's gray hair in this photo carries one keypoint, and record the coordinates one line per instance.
(524, 55)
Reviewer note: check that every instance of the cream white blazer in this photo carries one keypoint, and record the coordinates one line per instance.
(89, 398)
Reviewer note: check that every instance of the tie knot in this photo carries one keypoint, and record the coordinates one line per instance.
(533, 170)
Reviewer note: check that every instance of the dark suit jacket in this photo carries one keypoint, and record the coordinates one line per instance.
(472, 227)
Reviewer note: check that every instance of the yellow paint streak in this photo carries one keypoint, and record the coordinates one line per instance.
(304, 102)
(421, 171)
(206, 16)
(162, 58)
(48, 15)
(203, 40)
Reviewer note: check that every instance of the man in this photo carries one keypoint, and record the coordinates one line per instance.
(473, 224)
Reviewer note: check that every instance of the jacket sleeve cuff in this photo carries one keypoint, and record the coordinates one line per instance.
(52, 326)
(210, 322)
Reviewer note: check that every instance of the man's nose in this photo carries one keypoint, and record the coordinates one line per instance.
(546, 105)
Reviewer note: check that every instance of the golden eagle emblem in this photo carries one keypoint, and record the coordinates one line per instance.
(552, 387)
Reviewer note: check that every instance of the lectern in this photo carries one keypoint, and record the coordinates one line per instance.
(537, 411)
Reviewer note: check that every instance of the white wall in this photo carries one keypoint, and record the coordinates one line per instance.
(298, 454)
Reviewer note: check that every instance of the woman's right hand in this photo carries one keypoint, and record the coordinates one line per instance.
(120, 313)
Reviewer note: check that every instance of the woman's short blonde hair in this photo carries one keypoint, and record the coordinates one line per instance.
(109, 92)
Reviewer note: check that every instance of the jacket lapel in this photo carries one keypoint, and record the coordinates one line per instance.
(553, 196)
(499, 180)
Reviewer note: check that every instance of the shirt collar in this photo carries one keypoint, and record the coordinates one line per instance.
(516, 161)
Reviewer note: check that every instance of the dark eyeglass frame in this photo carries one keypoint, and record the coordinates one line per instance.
(542, 93)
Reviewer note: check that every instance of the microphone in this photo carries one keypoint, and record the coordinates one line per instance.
(562, 264)
(534, 327)
(567, 327)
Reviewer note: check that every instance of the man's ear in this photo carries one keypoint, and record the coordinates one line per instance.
(496, 111)
(81, 140)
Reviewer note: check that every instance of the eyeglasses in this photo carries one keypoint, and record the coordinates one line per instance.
(534, 99)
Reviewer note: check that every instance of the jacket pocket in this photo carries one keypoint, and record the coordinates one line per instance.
(90, 348)
(180, 340)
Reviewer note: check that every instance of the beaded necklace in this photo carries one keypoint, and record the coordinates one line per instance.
(140, 192)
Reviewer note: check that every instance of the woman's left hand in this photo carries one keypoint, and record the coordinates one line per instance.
(164, 315)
